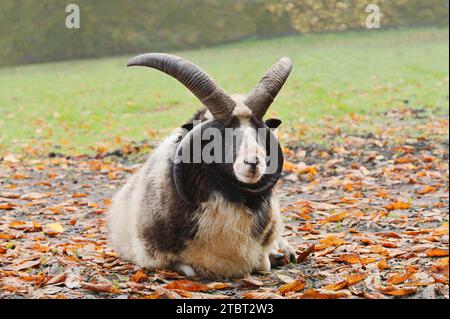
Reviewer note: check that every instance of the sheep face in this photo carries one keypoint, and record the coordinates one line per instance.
(242, 149)
(249, 148)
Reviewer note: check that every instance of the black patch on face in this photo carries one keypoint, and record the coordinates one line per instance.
(273, 123)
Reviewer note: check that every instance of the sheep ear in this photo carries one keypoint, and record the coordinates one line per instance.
(188, 126)
(273, 123)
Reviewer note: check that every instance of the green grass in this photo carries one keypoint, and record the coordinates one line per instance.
(72, 106)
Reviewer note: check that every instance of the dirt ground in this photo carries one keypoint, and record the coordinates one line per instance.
(367, 213)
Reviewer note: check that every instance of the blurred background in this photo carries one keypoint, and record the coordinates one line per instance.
(89, 100)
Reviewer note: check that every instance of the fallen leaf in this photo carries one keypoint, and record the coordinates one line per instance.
(219, 285)
(334, 218)
(139, 276)
(294, 286)
(316, 294)
(27, 265)
(382, 264)
(426, 190)
(398, 205)
(304, 255)
(437, 253)
(399, 278)
(401, 292)
(260, 295)
(53, 229)
(187, 285)
(7, 206)
(99, 287)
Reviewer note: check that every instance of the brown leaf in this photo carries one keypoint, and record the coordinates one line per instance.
(401, 292)
(219, 285)
(382, 264)
(294, 286)
(399, 278)
(349, 258)
(99, 287)
(27, 264)
(332, 240)
(139, 276)
(316, 294)
(437, 252)
(187, 285)
(398, 205)
(260, 295)
(249, 281)
(304, 255)
(349, 281)
(7, 206)
(426, 189)
(53, 229)
(57, 279)
(334, 218)
(79, 195)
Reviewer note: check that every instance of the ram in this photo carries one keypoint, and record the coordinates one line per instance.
(209, 211)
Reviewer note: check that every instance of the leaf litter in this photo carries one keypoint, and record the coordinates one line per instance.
(367, 215)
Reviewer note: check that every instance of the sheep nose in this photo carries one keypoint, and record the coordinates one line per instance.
(252, 163)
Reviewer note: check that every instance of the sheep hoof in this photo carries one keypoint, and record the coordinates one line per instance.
(278, 259)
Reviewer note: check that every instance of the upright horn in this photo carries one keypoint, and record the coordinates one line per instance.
(262, 96)
(193, 78)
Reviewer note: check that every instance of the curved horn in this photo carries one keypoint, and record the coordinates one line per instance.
(260, 98)
(193, 78)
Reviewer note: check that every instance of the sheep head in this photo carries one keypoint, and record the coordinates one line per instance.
(233, 139)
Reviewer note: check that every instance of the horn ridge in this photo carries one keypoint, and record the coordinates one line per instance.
(262, 96)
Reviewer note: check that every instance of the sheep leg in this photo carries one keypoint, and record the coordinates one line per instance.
(264, 264)
(187, 270)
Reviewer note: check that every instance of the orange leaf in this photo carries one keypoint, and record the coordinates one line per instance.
(437, 253)
(99, 287)
(315, 294)
(306, 227)
(261, 295)
(399, 278)
(7, 206)
(187, 285)
(294, 286)
(219, 285)
(349, 281)
(302, 257)
(79, 195)
(332, 240)
(139, 276)
(401, 292)
(355, 278)
(383, 264)
(336, 286)
(398, 205)
(334, 218)
(426, 189)
(54, 229)
(349, 258)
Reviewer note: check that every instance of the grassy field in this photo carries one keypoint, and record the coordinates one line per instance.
(74, 106)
